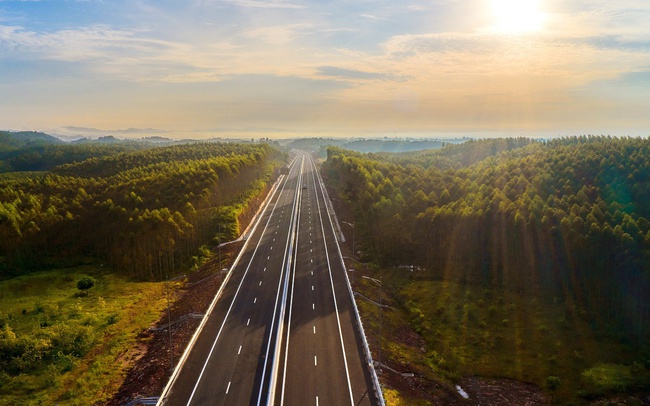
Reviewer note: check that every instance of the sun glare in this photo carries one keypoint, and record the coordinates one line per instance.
(517, 16)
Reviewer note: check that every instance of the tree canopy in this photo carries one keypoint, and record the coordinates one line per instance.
(144, 212)
(567, 217)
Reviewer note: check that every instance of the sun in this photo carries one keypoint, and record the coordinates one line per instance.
(517, 16)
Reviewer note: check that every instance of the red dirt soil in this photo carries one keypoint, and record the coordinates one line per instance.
(151, 361)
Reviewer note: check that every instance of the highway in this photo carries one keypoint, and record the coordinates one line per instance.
(281, 331)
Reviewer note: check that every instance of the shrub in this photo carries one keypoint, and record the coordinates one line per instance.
(72, 339)
(605, 378)
(85, 283)
(552, 383)
(19, 354)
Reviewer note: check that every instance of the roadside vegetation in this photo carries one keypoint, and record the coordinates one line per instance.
(144, 213)
(473, 331)
(86, 241)
(531, 258)
(63, 345)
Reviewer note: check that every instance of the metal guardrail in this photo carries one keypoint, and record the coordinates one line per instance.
(404, 374)
(142, 401)
(180, 319)
(371, 301)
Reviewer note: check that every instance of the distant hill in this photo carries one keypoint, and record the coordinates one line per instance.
(35, 151)
(108, 139)
(314, 143)
(392, 145)
(12, 140)
(374, 145)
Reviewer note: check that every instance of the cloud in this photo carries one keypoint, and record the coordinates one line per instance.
(636, 78)
(626, 84)
(544, 54)
(416, 7)
(351, 74)
(254, 65)
(84, 43)
(278, 34)
(372, 17)
(613, 42)
(265, 4)
(96, 132)
(276, 89)
(412, 44)
(125, 54)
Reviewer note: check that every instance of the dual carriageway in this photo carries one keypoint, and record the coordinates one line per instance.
(283, 329)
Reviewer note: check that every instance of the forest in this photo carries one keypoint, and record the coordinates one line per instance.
(89, 232)
(559, 221)
(142, 210)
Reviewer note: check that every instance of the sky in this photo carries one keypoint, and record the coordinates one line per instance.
(286, 68)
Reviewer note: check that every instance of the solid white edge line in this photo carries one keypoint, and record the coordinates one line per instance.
(190, 345)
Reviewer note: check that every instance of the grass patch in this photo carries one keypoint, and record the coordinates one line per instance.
(471, 330)
(60, 347)
(613, 378)
(394, 398)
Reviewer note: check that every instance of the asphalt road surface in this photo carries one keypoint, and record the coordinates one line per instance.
(282, 330)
